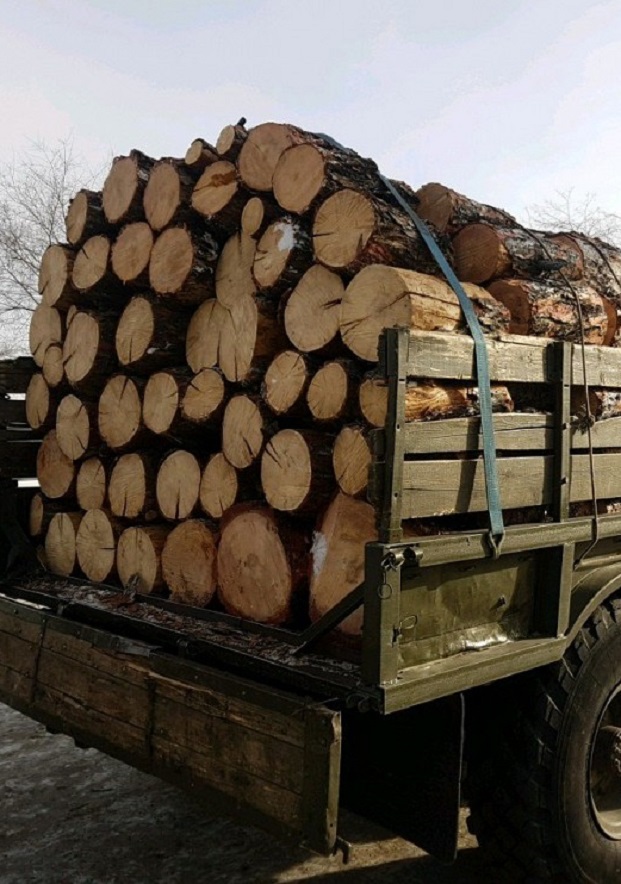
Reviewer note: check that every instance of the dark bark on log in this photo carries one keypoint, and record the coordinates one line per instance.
(150, 336)
(55, 283)
(124, 187)
(449, 211)
(182, 266)
(219, 198)
(199, 155)
(230, 142)
(88, 351)
(86, 218)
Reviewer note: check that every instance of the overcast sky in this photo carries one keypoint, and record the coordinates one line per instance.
(506, 100)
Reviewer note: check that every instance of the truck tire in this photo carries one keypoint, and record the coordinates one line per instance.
(544, 764)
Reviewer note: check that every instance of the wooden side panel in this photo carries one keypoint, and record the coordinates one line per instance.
(251, 751)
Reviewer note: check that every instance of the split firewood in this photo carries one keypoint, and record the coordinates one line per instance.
(345, 528)
(120, 413)
(262, 565)
(449, 211)
(382, 297)
(182, 265)
(189, 563)
(124, 188)
(60, 543)
(139, 557)
(86, 218)
(230, 142)
(351, 460)
(55, 284)
(283, 254)
(296, 471)
(131, 252)
(150, 336)
(218, 197)
(200, 154)
(313, 310)
(76, 426)
(131, 489)
(177, 484)
(46, 328)
(483, 252)
(96, 543)
(55, 471)
(168, 193)
(92, 484)
(40, 405)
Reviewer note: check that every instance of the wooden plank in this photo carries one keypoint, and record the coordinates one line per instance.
(223, 742)
(14, 686)
(395, 344)
(441, 487)
(17, 654)
(513, 432)
(511, 358)
(122, 667)
(26, 628)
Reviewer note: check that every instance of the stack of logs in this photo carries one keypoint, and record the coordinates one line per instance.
(206, 341)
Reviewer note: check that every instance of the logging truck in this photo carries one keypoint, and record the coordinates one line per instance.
(486, 673)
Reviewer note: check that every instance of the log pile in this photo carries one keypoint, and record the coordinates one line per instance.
(207, 339)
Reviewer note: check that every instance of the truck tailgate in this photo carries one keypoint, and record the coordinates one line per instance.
(260, 754)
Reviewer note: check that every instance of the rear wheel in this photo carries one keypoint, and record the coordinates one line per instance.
(544, 767)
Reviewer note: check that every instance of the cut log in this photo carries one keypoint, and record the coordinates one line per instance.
(131, 253)
(200, 154)
(139, 557)
(601, 264)
(373, 400)
(92, 271)
(352, 230)
(296, 471)
(382, 297)
(218, 197)
(150, 336)
(260, 154)
(338, 557)
(219, 486)
(283, 254)
(178, 481)
(189, 563)
(88, 351)
(41, 513)
(131, 490)
(203, 400)
(449, 211)
(203, 336)
(55, 471)
(124, 187)
(243, 430)
(55, 285)
(168, 193)
(46, 328)
(331, 394)
(92, 484)
(96, 543)
(85, 217)
(53, 368)
(257, 215)
(549, 310)
(430, 401)
(351, 459)
(286, 381)
(183, 266)
(262, 565)
(234, 279)
(60, 543)
(40, 406)
(313, 310)
(483, 253)
(76, 427)
(230, 142)
(120, 413)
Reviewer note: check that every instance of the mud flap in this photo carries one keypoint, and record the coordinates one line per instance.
(404, 772)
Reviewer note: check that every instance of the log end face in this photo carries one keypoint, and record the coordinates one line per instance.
(286, 471)
(343, 225)
(298, 178)
(260, 154)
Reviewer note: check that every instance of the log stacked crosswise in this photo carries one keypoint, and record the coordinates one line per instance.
(207, 341)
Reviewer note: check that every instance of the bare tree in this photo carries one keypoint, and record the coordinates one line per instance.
(35, 189)
(567, 211)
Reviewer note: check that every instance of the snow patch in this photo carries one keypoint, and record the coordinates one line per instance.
(287, 236)
(319, 551)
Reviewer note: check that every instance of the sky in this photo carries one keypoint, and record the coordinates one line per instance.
(508, 101)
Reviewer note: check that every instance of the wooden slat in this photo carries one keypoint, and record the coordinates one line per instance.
(441, 487)
(511, 358)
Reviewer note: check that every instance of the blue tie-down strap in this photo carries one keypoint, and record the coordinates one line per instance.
(492, 488)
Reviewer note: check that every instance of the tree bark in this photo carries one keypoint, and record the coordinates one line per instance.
(218, 197)
(234, 279)
(60, 543)
(312, 312)
(76, 427)
(177, 485)
(449, 211)
(40, 406)
(120, 413)
(230, 142)
(189, 563)
(131, 252)
(182, 266)
(124, 187)
(296, 471)
(483, 253)
(168, 194)
(351, 459)
(92, 484)
(346, 526)
(86, 218)
(88, 351)
(260, 154)
(262, 565)
(549, 310)
(139, 557)
(96, 543)
(46, 328)
(601, 264)
(382, 297)
(429, 401)
(150, 336)
(131, 490)
(283, 254)
(55, 283)
(55, 471)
